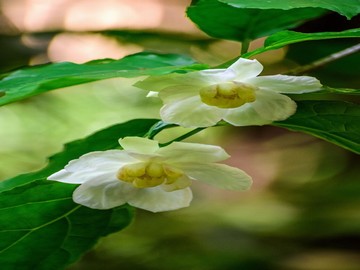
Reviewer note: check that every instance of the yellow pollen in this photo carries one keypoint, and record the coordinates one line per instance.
(228, 95)
(152, 174)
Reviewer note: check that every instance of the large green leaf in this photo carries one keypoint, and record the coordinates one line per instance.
(221, 20)
(32, 81)
(348, 8)
(333, 121)
(40, 226)
(283, 38)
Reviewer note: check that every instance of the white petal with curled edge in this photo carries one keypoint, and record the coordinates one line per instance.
(94, 165)
(192, 152)
(81, 176)
(99, 160)
(157, 200)
(244, 69)
(218, 175)
(191, 112)
(245, 116)
(287, 84)
(139, 145)
(103, 194)
(274, 106)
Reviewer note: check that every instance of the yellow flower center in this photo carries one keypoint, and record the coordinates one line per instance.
(228, 95)
(152, 174)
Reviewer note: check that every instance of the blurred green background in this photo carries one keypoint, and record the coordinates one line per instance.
(303, 212)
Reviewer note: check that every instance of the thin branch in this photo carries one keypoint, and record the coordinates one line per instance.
(194, 131)
(323, 61)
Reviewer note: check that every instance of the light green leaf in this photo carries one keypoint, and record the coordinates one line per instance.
(333, 121)
(347, 91)
(40, 226)
(221, 20)
(32, 81)
(348, 8)
(284, 38)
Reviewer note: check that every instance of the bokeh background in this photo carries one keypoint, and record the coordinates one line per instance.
(303, 211)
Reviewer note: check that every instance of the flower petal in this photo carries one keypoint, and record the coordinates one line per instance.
(158, 83)
(274, 106)
(192, 152)
(191, 112)
(176, 93)
(157, 200)
(287, 84)
(103, 194)
(219, 175)
(214, 76)
(80, 177)
(268, 107)
(94, 165)
(244, 69)
(107, 160)
(245, 116)
(139, 145)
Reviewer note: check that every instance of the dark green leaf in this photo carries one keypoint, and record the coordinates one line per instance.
(38, 79)
(333, 121)
(348, 8)
(40, 226)
(221, 20)
(284, 38)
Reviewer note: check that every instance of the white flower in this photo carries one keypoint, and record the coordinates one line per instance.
(236, 95)
(147, 176)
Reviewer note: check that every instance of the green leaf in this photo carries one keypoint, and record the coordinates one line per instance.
(284, 38)
(221, 20)
(42, 228)
(32, 81)
(40, 225)
(333, 121)
(348, 8)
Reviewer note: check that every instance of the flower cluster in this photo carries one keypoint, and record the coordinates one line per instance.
(157, 179)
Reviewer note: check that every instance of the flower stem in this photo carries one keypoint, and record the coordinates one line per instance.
(157, 128)
(183, 137)
(245, 46)
(323, 61)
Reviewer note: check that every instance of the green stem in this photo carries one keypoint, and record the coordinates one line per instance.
(194, 131)
(157, 128)
(245, 46)
(323, 61)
